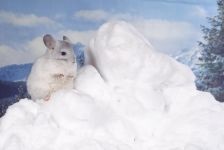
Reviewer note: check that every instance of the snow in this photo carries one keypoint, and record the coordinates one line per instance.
(133, 98)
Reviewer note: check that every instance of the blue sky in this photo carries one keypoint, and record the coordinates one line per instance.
(170, 25)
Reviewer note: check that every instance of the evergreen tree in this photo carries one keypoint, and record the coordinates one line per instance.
(211, 75)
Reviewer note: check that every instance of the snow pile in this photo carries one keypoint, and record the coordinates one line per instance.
(136, 99)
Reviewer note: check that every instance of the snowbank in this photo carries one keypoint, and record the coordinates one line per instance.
(135, 99)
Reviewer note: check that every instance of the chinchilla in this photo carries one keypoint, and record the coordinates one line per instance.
(55, 70)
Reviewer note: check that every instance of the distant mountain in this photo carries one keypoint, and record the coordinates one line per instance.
(12, 85)
(11, 92)
(15, 72)
(79, 49)
(189, 58)
(12, 88)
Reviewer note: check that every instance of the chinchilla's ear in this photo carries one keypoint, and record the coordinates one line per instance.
(65, 38)
(49, 41)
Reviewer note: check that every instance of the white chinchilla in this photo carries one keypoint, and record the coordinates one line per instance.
(55, 70)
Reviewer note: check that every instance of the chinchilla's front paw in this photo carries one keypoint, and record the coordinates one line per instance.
(70, 76)
(58, 76)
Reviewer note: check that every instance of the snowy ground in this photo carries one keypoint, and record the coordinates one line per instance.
(135, 99)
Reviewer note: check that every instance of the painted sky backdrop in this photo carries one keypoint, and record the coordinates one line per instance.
(170, 25)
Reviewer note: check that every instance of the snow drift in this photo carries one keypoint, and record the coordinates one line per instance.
(133, 99)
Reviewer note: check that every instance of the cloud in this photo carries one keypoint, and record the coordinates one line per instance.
(199, 12)
(25, 54)
(92, 15)
(35, 48)
(168, 36)
(101, 15)
(25, 20)
(31, 50)
(165, 35)
(60, 16)
(9, 55)
(78, 36)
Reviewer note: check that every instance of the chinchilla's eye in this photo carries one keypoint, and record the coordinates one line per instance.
(63, 53)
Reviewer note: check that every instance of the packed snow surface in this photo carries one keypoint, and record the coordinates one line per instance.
(135, 98)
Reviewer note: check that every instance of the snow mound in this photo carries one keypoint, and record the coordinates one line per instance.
(133, 99)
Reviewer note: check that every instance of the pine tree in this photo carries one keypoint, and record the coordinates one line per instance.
(211, 75)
